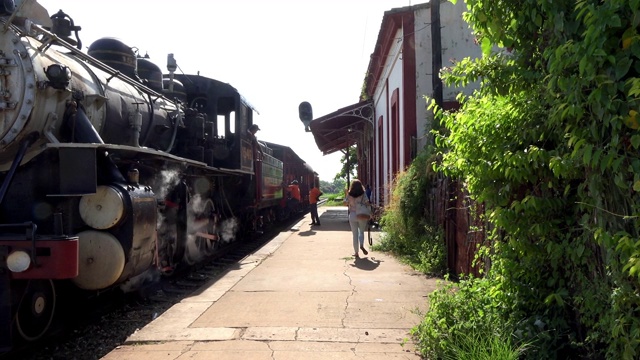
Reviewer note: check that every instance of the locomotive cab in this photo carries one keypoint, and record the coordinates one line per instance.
(219, 139)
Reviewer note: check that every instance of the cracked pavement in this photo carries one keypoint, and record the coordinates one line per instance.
(301, 296)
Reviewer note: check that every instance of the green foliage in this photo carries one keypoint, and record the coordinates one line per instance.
(478, 345)
(353, 164)
(409, 234)
(336, 186)
(549, 144)
(482, 346)
(334, 199)
(464, 322)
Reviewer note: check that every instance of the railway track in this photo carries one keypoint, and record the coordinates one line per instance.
(91, 329)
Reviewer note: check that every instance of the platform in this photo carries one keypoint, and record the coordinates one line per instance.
(301, 296)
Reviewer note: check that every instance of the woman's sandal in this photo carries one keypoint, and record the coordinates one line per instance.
(363, 250)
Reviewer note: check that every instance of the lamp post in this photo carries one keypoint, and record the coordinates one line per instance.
(306, 114)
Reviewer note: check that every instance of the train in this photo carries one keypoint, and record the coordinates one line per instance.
(113, 171)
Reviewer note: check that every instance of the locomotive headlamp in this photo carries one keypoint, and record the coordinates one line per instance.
(58, 75)
(18, 261)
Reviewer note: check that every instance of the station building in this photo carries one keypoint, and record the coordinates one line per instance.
(391, 122)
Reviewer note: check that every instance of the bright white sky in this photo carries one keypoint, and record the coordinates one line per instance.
(277, 53)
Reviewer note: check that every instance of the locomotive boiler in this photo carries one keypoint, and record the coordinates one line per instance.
(112, 171)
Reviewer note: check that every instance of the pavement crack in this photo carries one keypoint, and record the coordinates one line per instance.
(354, 350)
(187, 348)
(346, 302)
(273, 352)
(241, 332)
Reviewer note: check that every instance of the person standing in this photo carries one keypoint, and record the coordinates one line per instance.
(358, 227)
(294, 192)
(367, 190)
(251, 133)
(314, 196)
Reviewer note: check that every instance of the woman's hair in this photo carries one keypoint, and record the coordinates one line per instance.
(356, 188)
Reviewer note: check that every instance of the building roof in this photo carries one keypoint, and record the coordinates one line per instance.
(341, 128)
(391, 23)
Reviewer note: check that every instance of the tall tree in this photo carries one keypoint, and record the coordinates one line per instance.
(349, 168)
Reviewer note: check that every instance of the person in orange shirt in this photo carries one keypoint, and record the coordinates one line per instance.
(314, 196)
(294, 191)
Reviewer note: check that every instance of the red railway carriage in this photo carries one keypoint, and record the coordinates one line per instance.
(294, 168)
(268, 192)
(271, 174)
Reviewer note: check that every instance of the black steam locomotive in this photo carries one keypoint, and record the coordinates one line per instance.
(110, 169)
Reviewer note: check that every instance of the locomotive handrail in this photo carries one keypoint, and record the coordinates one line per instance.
(111, 71)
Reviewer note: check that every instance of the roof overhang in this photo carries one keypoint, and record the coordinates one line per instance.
(392, 21)
(341, 128)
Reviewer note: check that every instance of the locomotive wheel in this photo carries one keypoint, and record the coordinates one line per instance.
(36, 309)
(203, 231)
(172, 239)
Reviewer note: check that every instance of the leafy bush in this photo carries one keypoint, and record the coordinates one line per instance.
(549, 144)
(409, 234)
(464, 322)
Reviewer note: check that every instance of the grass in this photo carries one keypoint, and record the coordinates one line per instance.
(482, 346)
(334, 199)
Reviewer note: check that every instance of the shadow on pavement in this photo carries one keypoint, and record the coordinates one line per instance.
(330, 220)
(366, 263)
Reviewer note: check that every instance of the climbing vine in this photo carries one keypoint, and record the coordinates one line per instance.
(409, 232)
(550, 144)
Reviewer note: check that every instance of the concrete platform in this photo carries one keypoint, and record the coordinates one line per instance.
(301, 296)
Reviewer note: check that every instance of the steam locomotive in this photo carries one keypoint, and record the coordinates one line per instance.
(111, 170)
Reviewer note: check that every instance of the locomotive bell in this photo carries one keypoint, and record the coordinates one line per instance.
(306, 114)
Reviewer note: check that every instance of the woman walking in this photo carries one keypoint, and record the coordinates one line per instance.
(355, 197)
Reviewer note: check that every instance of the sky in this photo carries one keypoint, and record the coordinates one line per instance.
(276, 53)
